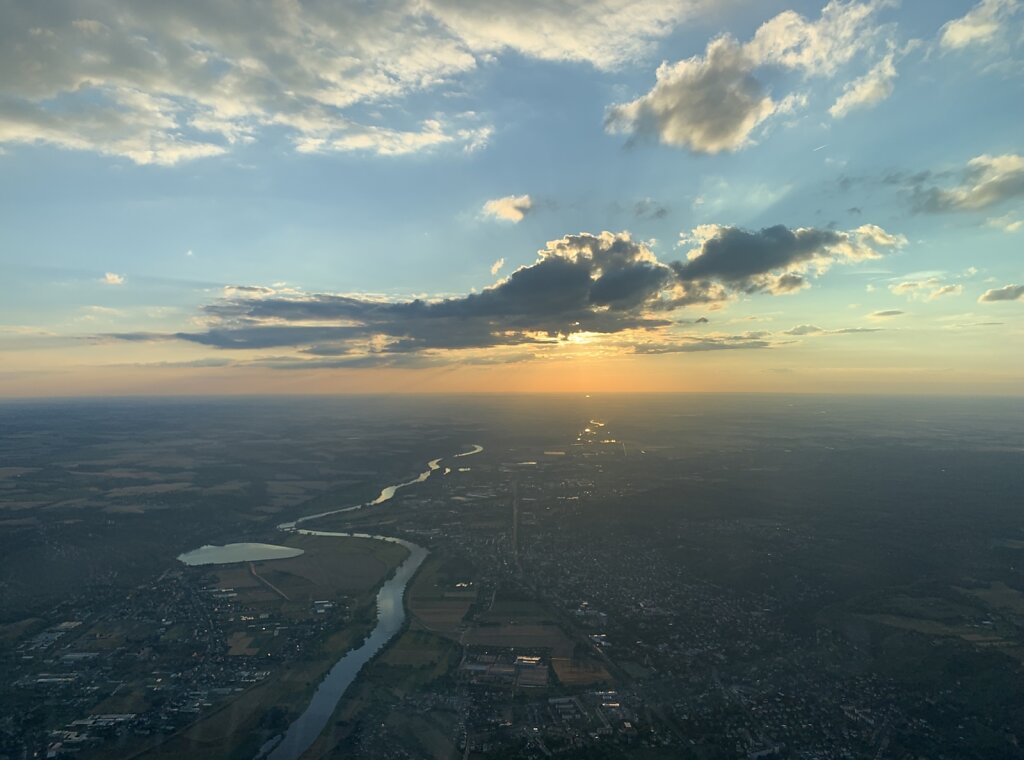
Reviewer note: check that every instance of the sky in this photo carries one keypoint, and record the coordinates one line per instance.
(291, 196)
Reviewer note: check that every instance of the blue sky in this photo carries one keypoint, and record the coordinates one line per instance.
(155, 157)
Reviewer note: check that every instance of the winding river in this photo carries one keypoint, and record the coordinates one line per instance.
(302, 733)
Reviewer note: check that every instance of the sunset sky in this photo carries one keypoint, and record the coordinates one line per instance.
(519, 195)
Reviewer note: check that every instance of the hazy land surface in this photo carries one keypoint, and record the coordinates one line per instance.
(792, 574)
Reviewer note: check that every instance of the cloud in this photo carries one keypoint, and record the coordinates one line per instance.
(249, 291)
(112, 278)
(714, 103)
(648, 208)
(981, 24)
(929, 289)
(801, 330)
(164, 83)
(868, 90)
(385, 141)
(946, 290)
(606, 35)
(985, 182)
(707, 104)
(886, 313)
(804, 330)
(691, 344)
(1007, 223)
(820, 47)
(497, 266)
(777, 259)
(580, 287)
(605, 283)
(511, 208)
(1005, 293)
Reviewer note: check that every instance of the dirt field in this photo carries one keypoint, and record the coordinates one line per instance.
(521, 636)
(579, 672)
(432, 606)
(415, 649)
(998, 595)
(238, 645)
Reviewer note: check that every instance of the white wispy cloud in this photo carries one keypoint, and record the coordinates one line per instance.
(983, 23)
(112, 278)
(1007, 223)
(868, 90)
(986, 181)
(511, 208)
(929, 289)
(164, 83)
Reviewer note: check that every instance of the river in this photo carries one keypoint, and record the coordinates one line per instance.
(303, 732)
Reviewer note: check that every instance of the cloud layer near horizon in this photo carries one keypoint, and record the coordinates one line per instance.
(580, 285)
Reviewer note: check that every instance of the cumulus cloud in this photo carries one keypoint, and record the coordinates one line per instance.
(1005, 293)
(586, 284)
(868, 90)
(981, 24)
(985, 182)
(511, 208)
(497, 266)
(820, 47)
(715, 102)
(163, 83)
(112, 278)
(778, 259)
(707, 104)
